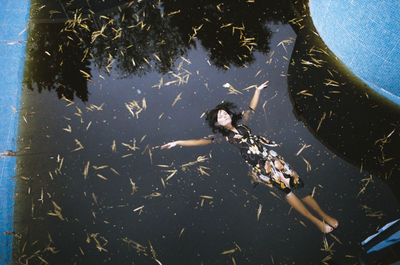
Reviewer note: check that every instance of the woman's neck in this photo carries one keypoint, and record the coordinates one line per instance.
(231, 128)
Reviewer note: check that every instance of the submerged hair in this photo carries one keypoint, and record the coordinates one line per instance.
(212, 117)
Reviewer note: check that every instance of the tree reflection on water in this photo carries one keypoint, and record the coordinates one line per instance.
(136, 38)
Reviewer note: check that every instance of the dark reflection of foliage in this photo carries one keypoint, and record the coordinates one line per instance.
(227, 45)
(357, 120)
(135, 37)
(142, 39)
(49, 68)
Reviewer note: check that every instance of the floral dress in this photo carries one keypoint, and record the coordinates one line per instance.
(257, 153)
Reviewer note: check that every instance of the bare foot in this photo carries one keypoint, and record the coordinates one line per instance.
(325, 228)
(331, 221)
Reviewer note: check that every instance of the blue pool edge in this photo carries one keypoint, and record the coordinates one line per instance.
(342, 27)
(13, 37)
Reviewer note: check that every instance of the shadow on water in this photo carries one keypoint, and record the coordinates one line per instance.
(93, 190)
(347, 116)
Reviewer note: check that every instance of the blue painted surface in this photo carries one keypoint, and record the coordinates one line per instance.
(365, 36)
(14, 15)
(392, 239)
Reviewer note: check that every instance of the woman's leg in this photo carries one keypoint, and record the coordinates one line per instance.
(297, 204)
(314, 205)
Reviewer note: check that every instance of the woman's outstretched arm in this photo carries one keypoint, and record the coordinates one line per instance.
(254, 100)
(191, 142)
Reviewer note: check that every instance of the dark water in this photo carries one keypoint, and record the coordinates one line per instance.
(65, 216)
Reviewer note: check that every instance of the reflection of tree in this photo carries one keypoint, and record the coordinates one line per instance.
(136, 40)
(229, 31)
(136, 37)
(48, 68)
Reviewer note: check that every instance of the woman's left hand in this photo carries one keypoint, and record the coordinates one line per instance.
(169, 145)
(263, 85)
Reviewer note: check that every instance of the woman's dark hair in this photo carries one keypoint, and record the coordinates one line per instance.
(212, 115)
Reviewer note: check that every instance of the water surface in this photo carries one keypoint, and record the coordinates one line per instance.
(86, 196)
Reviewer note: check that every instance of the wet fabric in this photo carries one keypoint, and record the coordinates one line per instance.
(267, 166)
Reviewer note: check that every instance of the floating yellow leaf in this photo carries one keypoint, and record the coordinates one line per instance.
(259, 212)
(228, 251)
(177, 99)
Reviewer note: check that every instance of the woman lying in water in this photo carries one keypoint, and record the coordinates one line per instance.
(267, 167)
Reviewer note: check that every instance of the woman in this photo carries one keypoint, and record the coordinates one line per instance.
(267, 166)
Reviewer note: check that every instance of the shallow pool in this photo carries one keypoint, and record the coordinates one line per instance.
(106, 83)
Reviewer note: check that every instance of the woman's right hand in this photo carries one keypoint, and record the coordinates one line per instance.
(263, 85)
(169, 145)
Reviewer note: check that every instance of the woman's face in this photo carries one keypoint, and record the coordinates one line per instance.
(223, 118)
